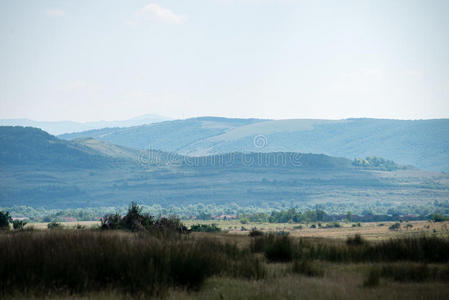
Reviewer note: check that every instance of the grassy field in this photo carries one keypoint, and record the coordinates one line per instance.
(311, 263)
(369, 230)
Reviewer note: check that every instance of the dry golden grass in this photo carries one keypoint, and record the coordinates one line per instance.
(369, 230)
(69, 225)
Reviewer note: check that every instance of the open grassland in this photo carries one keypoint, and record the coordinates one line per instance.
(369, 230)
(95, 264)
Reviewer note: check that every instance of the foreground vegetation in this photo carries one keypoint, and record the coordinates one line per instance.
(115, 263)
(140, 256)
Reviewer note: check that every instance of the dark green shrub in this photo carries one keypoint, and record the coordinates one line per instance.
(279, 249)
(438, 218)
(54, 225)
(5, 219)
(258, 243)
(254, 232)
(135, 220)
(357, 240)
(18, 224)
(395, 226)
(205, 228)
(112, 221)
(80, 227)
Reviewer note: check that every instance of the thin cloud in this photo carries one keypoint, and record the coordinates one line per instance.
(155, 12)
(54, 12)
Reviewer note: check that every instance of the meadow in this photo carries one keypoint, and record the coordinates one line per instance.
(279, 262)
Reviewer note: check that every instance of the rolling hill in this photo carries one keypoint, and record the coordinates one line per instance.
(40, 170)
(32, 147)
(422, 143)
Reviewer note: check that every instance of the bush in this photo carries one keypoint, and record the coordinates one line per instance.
(258, 244)
(5, 219)
(279, 249)
(438, 218)
(54, 225)
(135, 220)
(112, 221)
(205, 228)
(357, 240)
(18, 224)
(80, 227)
(254, 232)
(395, 226)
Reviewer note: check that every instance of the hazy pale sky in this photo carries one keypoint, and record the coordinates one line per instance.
(88, 60)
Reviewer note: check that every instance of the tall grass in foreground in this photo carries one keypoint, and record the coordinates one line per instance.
(417, 249)
(83, 261)
(407, 272)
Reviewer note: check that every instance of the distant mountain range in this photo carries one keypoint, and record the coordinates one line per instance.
(60, 127)
(41, 170)
(422, 143)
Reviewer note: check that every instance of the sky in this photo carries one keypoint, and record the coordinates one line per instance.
(90, 60)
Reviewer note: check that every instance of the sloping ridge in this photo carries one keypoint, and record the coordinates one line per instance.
(422, 143)
(28, 146)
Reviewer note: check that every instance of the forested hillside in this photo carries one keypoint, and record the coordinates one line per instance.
(40, 170)
(422, 143)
